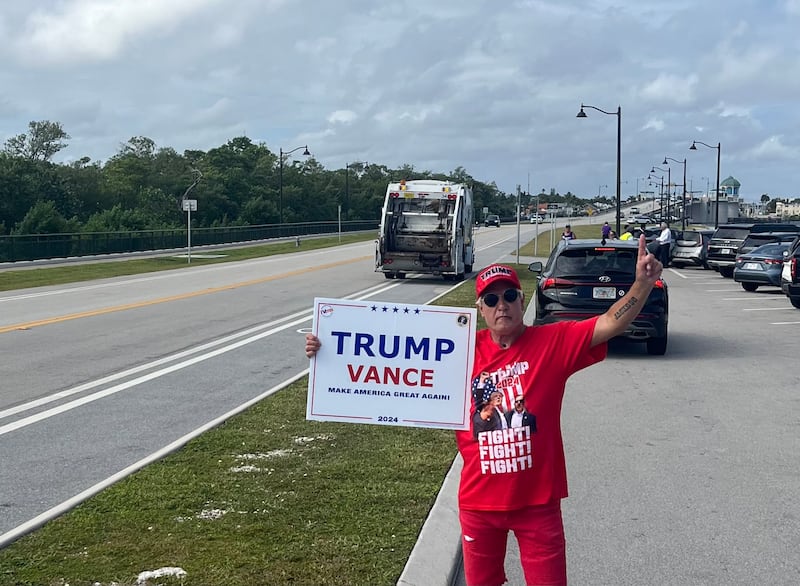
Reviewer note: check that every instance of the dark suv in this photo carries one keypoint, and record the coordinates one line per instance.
(492, 220)
(722, 248)
(583, 278)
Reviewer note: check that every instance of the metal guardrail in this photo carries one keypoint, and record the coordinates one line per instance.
(44, 246)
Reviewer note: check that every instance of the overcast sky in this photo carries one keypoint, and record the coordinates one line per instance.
(492, 86)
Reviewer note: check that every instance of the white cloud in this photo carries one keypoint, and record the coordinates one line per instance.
(773, 148)
(342, 117)
(654, 124)
(98, 29)
(671, 88)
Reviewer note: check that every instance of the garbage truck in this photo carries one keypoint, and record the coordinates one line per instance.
(426, 227)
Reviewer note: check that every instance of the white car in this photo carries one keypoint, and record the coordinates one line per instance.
(536, 219)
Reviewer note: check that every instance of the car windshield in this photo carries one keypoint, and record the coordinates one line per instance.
(773, 250)
(690, 239)
(760, 240)
(728, 233)
(596, 261)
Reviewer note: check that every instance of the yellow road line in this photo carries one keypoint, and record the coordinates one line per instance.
(94, 312)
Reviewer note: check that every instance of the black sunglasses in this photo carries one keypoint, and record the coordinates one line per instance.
(491, 299)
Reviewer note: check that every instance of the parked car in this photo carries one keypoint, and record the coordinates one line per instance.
(761, 266)
(492, 220)
(691, 248)
(756, 239)
(728, 238)
(723, 246)
(536, 219)
(583, 278)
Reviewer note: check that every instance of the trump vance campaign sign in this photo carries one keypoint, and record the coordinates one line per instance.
(391, 363)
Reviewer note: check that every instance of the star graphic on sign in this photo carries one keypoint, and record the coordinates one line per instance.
(406, 310)
(395, 309)
(385, 309)
(374, 308)
(416, 310)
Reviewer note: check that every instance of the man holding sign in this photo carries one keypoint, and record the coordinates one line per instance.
(514, 478)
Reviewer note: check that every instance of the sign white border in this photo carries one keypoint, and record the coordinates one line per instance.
(392, 364)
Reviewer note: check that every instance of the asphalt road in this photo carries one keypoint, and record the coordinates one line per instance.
(683, 468)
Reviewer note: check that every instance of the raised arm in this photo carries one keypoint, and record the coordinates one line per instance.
(620, 315)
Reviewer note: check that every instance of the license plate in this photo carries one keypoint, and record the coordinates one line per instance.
(751, 266)
(726, 251)
(604, 293)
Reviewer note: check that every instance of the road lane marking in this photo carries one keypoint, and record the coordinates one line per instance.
(765, 309)
(182, 296)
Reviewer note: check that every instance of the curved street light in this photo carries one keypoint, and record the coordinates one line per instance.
(281, 157)
(719, 156)
(650, 178)
(668, 171)
(347, 185)
(618, 114)
(683, 203)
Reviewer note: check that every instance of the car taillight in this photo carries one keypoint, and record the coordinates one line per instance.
(739, 259)
(773, 261)
(794, 268)
(556, 283)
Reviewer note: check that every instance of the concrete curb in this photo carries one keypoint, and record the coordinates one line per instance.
(436, 557)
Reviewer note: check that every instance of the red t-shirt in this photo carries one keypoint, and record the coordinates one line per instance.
(513, 467)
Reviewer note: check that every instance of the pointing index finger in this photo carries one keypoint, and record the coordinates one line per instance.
(642, 246)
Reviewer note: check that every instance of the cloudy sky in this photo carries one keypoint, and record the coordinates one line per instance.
(489, 85)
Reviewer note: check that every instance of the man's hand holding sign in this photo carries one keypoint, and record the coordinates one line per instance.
(390, 364)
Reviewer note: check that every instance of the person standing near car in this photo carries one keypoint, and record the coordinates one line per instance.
(567, 234)
(628, 233)
(664, 240)
(605, 231)
(514, 479)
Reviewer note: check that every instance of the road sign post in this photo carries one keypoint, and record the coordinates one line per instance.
(189, 206)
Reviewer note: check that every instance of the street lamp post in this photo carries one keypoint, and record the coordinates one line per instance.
(719, 156)
(347, 185)
(683, 206)
(618, 114)
(668, 171)
(660, 189)
(280, 173)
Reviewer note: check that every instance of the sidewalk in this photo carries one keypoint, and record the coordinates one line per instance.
(436, 557)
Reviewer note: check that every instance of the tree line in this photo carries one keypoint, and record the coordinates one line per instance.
(237, 183)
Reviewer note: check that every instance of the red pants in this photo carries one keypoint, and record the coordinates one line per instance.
(539, 532)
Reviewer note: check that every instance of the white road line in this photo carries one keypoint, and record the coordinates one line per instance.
(784, 323)
(776, 298)
(765, 309)
(682, 276)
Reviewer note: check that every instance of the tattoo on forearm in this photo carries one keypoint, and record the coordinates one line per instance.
(625, 308)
